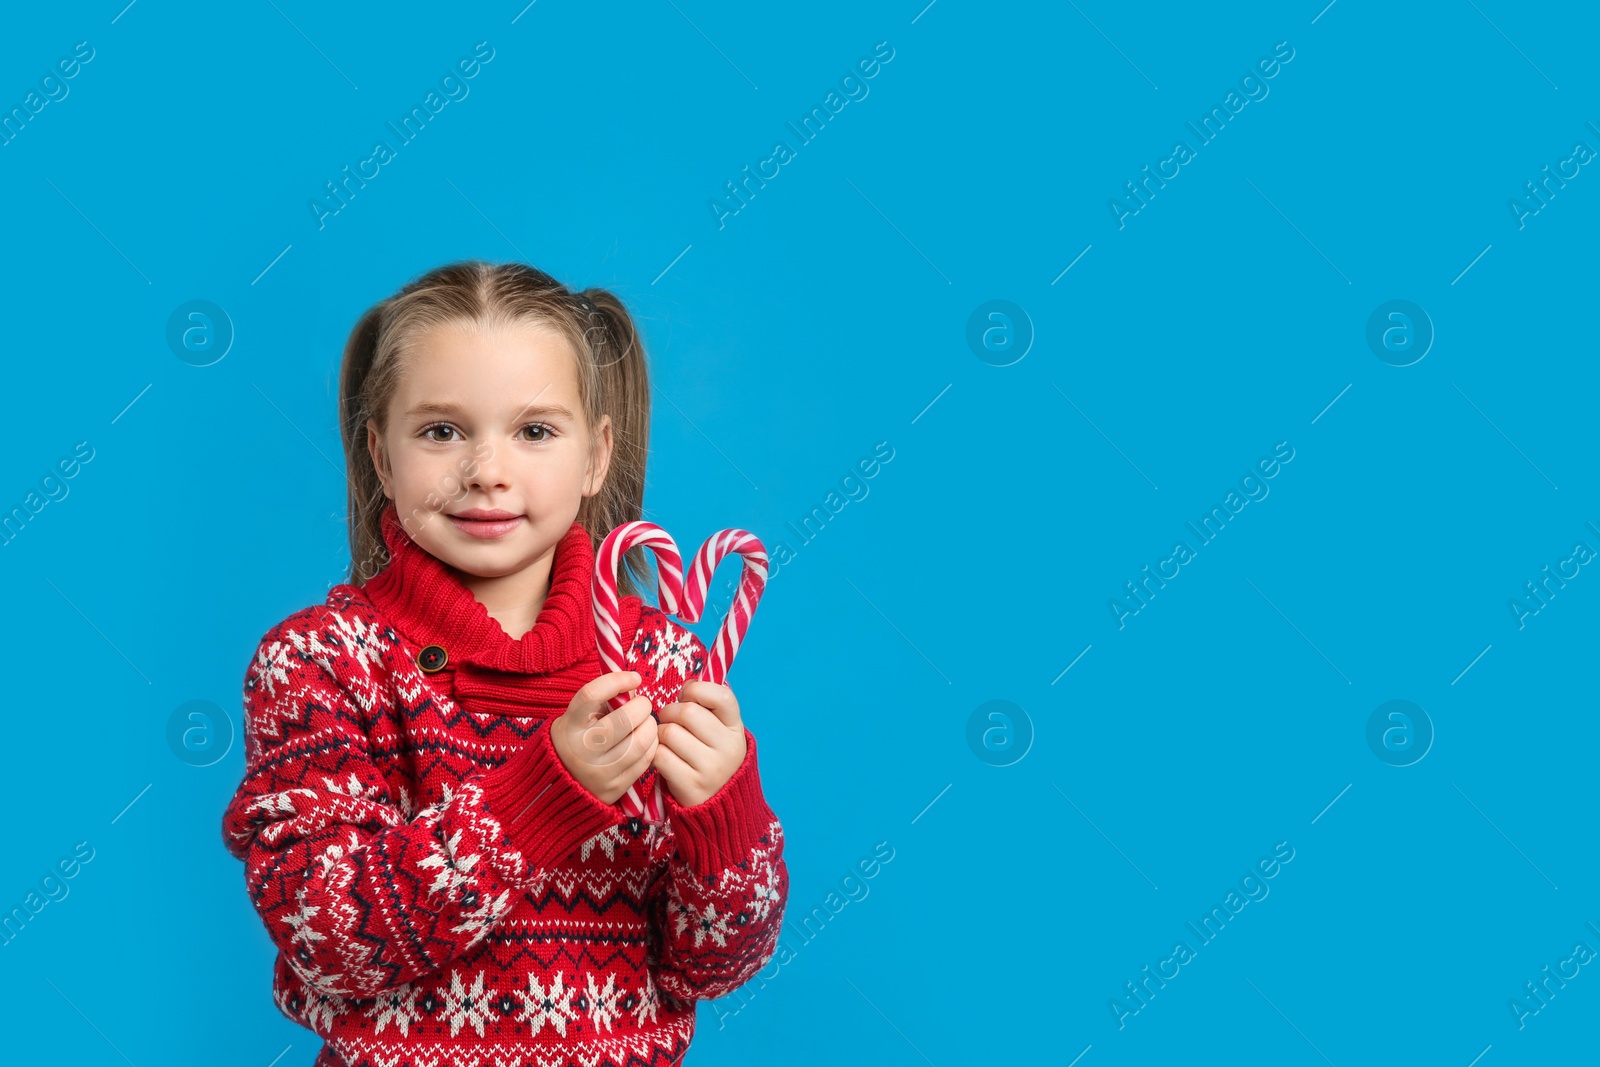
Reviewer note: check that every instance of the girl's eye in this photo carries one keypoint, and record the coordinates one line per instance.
(428, 431)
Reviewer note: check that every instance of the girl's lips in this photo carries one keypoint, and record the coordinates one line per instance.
(486, 528)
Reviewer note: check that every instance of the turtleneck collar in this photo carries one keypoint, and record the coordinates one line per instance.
(430, 605)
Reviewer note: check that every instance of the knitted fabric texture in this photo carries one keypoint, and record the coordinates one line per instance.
(440, 890)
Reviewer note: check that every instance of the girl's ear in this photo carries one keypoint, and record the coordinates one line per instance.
(379, 463)
(599, 458)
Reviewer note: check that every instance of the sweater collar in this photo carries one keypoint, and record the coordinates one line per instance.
(429, 605)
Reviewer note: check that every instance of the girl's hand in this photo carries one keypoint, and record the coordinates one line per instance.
(606, 751)
(701, 741)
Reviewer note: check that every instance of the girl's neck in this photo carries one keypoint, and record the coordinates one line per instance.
(512, 600)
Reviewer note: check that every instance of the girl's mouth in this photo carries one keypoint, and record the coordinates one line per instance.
(486, 528)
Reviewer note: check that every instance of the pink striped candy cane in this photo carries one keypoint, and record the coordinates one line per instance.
(687, 601)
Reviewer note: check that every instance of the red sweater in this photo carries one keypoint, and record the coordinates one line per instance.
(440, 889)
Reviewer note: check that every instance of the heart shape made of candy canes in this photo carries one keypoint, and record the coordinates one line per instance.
(685, 598)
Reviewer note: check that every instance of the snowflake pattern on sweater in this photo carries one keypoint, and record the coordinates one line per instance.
(442, 892)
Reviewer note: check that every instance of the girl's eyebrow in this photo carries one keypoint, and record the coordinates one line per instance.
(435, 407)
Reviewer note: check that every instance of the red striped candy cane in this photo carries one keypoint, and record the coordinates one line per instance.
(687, 601)
(752, 582)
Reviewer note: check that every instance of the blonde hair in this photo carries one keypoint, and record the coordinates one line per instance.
(612, 380)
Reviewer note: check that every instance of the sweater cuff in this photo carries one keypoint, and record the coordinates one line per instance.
(720, 831)
(545, 811)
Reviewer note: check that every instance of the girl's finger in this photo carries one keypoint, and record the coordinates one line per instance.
(708, 728)
(673, 768)
(716, 697)
(603, 740)
(595, 693)
(685, 745)
(645, 757)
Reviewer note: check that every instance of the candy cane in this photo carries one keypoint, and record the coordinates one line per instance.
(752, 582)
(675, 597)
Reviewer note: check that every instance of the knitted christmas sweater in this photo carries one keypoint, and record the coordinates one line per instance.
(441, 891)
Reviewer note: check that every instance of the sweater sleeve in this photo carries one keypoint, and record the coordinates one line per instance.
(359, 893)
(718, 905)
(716, 908)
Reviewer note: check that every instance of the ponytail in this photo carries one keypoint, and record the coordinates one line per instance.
(624, 386)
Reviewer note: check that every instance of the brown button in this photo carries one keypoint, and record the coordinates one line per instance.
(431, 658)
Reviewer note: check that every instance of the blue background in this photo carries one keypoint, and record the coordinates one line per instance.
(829, 314)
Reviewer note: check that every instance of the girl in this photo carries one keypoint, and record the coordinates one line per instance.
(428, 817)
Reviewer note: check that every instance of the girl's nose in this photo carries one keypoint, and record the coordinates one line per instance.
(488, 472)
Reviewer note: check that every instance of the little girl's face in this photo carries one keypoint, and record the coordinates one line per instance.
(489, 419)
